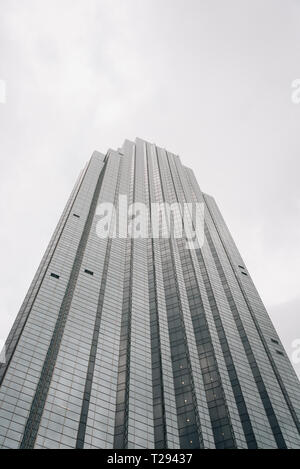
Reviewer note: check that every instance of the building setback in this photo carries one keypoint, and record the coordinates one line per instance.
(144, 343)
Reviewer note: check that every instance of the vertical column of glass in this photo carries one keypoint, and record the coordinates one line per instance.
(122, 394)
(63, 406)
(192, 412)
(263, 433)
(221, 419)
(259, 330)
(103, 391)
(284, 371)
(159, 420)
(260, 410)
(267, 431)
(164, 405)
(22, 378)
(140, 402)
(220, 313)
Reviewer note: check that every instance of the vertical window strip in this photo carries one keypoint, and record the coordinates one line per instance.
(38, 403)
(248, 350)
(215, 396)
(159, 417)
(121, 419)
(259, 331)
(236, 387)
(94, 345)
(190, 435)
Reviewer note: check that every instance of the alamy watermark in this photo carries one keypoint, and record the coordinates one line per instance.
(296, 352)
(2, 91)
(159, 220)
(2, 352)
(295, 96)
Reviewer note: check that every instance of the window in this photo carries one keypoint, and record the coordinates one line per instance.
(241, 267)
(244, 273)
(279, 352)
(75, 215)
(275, 341)
(88, 272)
(54, 275)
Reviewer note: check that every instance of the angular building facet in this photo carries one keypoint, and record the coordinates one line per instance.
(139, 342)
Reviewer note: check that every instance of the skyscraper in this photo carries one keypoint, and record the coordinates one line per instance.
(137, 341)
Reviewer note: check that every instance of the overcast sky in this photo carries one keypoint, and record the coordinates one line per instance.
(207, 79)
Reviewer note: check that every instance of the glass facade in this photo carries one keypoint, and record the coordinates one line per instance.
(140, 342)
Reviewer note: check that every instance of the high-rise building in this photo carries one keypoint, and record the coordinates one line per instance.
(130, 340)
